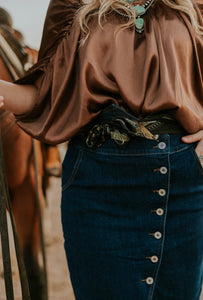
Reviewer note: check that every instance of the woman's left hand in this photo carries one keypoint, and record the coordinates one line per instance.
(192, 138)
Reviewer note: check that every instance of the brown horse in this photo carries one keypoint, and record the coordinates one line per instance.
(19, 162)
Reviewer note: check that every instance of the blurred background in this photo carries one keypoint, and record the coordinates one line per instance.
(28, 17)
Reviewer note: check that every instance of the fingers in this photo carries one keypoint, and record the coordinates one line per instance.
(193, 137)
(1, 101)
(199, 148)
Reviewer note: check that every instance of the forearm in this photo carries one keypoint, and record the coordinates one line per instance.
(18, 99)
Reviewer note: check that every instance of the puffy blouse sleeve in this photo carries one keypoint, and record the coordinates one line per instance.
(53, 72)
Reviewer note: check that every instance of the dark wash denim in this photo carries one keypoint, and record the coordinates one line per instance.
(112, 227)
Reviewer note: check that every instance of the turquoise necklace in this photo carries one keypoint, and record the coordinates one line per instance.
(140, 11)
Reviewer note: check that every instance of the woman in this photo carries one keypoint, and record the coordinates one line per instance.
(123, 81)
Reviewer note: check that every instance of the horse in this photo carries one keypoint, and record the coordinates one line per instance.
(20, 170)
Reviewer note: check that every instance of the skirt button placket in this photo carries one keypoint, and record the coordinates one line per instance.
(159, 212)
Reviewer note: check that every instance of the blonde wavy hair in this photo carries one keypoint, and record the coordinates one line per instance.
(102, 7)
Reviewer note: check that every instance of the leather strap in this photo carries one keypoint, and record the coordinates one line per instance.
(38, 202)
(5, 240)
(5, 202)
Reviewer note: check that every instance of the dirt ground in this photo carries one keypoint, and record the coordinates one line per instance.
(58, 277)
(59, 286)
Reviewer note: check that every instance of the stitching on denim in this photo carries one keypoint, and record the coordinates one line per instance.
(197, 161)
(134, 153)
(161, 244)
(179, 150)
(156, 267)
(125, 154)
(75, 170)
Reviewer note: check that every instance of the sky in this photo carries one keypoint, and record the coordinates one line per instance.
(28, 17)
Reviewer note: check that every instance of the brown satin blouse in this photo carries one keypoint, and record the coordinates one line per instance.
(158, 70)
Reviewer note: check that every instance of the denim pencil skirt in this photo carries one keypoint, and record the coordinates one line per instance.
(133, 220)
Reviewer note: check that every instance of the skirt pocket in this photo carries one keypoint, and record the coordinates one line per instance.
(196, 159)
(71, 166)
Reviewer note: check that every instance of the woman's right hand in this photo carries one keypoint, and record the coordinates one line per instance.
(1, 101)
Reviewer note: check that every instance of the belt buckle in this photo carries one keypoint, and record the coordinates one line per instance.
(119, 138)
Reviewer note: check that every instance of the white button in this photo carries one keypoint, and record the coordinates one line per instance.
(162, 192)
(154, 259)
(163, 170)
(149, 280)
(157, 235)
(159, 211)
(162, 145)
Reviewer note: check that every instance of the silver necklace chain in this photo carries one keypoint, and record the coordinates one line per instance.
(143, 9)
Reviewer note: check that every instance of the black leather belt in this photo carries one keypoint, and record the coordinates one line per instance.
(119, 125)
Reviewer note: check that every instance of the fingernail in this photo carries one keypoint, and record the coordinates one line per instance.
(186, 139)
